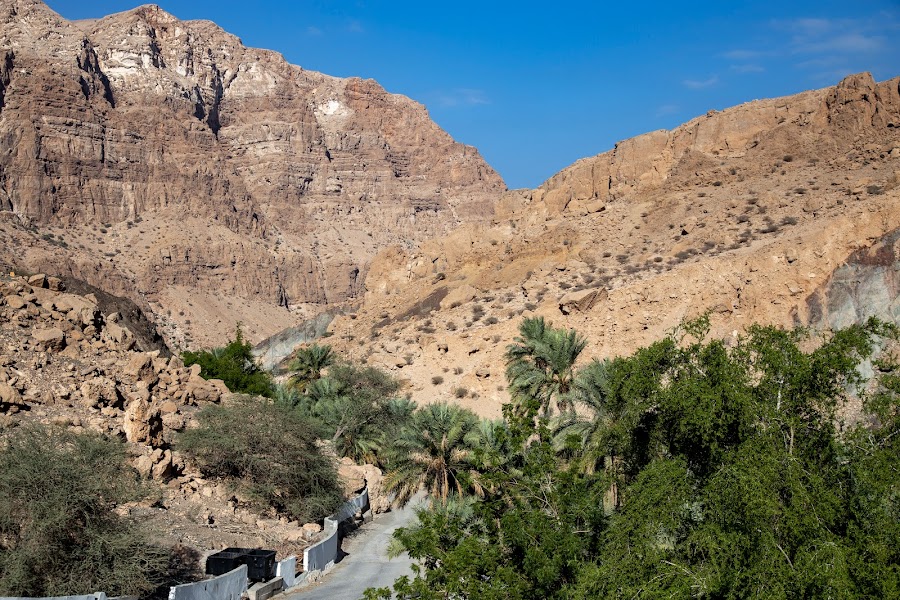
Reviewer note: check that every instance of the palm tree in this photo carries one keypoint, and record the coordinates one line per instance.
(587, 434)
(308, 364)
(540, 366)
(433, 451)
(492, 449)
(583, 433)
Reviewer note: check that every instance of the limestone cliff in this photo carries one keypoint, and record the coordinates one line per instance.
(262, 180)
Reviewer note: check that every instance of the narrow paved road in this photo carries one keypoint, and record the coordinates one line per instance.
(366, 563)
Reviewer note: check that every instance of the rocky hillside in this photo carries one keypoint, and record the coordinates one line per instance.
(778, 211)
(209, 182)
(65, 362)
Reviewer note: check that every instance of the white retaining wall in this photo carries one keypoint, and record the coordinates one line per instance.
(322, 555)
(97, 596)
(229, 586)
(287, 570)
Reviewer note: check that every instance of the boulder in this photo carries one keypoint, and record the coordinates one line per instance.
(117, 334)
(38, 281)
(140, 368)
(163, 469)
(99, 391)
(144, 465)
(202, 390)
(351, 475)
(459, 296)
(9, 395)
(142, 424)
(582, 301)
(15, 302)
(52, 339)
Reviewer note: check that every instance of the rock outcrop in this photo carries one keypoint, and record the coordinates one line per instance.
(175, 157)
(780, 212)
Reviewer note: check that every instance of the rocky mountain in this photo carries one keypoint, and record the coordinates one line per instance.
(209, 182)
(781, 211)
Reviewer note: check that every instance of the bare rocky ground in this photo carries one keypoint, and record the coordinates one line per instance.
(63, 362)
(748, 213)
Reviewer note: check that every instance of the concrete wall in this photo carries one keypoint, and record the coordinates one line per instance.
(322, 555)
(287, 570)
(97, 596)
(229, 586)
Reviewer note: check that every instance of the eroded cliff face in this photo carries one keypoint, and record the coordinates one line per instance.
(779, 212)
(261, 180)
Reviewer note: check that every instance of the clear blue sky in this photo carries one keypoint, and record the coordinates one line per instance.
(537, 85)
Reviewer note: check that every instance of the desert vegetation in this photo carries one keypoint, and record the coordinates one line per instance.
(234, 364)
(59, 529)
(690, 468)
(267, 453)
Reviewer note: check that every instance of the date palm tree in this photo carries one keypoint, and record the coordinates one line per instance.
(588, 434)
(434, 451)
(540, 366)
(308, 365)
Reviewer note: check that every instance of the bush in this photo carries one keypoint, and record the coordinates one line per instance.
(437, 380)
(59, 534)
(268, 453)
(234, 364)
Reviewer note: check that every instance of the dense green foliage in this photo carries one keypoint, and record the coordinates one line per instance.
(59, 533)
(435, 451)
(690, 469)
(357, 408)
(268, 452)
(234, 364)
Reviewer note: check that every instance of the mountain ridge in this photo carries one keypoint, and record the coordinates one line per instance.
(296, 177)
(745, 213)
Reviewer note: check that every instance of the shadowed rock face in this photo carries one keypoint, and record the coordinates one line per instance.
(866, 285)
(297, 178)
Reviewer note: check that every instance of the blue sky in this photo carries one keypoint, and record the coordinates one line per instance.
(537, 85)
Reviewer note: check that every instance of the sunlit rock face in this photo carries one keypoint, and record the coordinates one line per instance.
(296, 178)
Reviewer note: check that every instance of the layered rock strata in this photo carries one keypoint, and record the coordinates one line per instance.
(253, 178)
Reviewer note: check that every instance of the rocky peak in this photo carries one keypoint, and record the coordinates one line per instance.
(263, 181)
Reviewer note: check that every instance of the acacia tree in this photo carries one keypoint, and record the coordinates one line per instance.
(59, 531)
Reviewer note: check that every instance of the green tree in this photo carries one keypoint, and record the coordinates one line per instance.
(735, 482)
(308, 365)
(540, 366)
(268, 452)
(357, 409)
(433, 452)
(59, 534)
(235, 365)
